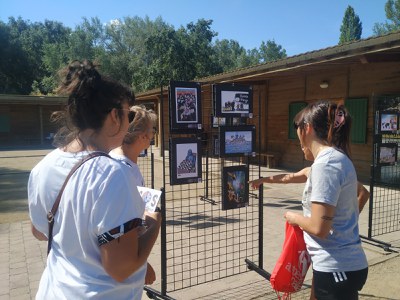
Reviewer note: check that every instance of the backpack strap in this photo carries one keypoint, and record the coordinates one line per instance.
(53, 211)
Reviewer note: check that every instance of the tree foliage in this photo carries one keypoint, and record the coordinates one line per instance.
(351, 28)
(140, 52)
(392, 10)
(271, 51)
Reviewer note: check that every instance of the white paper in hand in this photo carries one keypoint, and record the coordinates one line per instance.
(150, 197)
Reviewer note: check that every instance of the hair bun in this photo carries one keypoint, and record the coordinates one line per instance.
(85, 72)
(88, 75)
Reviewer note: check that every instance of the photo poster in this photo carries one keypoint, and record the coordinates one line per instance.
(233, 100)
(389, 122)
(387, 154)
(185, 106)
(235, 187)
(218, 121)
(237, 141)
(150, 196)
(185, 160)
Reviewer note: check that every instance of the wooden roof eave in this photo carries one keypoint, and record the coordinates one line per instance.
(32, 100)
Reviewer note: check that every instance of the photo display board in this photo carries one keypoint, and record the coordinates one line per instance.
(185, 160)
(387, 153)
(185, 106)
(389, 122)
(237, 140)
(235, 187)
(233, 100)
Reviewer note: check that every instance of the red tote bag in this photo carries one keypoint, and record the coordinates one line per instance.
(293, 263)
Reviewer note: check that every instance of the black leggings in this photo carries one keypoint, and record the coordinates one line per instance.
(339, 285)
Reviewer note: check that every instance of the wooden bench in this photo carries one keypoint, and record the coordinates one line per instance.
(270, 159)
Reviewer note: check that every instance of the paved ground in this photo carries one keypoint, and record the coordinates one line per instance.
(22, 258)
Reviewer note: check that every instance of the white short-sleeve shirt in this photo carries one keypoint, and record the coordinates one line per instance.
(97, 198)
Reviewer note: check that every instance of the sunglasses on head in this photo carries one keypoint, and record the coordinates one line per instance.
(131, 114)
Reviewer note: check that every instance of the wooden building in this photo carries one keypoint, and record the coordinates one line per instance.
(25, 120)
(353, 73)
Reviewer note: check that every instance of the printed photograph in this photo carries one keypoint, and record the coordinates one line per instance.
(237, 140)
(185, 166)
(233, 100)
(389, 122)
(235, 187)
(186, 155)
(388, 154)
(186, 103)
(185, 106)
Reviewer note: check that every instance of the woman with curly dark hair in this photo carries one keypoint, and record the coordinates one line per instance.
(96, 250)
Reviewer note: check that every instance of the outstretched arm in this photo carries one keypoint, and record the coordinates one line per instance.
(299, 177)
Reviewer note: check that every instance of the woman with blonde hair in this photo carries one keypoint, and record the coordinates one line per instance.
(140, 134)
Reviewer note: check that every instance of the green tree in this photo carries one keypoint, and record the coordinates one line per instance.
(66, 45)
(197, 40)
(125, 48)
(351, 28)
(52, 40)
(229, 54)
(25, 63)
(392, 10)
(14, 75)
(270, 51)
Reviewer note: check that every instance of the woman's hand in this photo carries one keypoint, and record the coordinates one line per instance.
(291, 218)
(255, 184)
(153, 219)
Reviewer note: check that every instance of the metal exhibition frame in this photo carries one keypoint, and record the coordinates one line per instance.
(384, 205)
(200, 242)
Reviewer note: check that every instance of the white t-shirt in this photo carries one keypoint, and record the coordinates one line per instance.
(139, 180)
(333, 180)
(97, 198)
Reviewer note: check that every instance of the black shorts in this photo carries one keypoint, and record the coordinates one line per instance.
(339, 285)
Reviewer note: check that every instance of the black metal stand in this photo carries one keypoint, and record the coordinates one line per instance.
(252, 266)
(378, 243)
(205, 197)
(153, 294)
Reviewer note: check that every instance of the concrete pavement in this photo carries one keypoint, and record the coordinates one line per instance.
(22, 257)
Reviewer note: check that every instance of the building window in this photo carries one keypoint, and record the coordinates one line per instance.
(4, 123)
(358, 109)
(294, 108)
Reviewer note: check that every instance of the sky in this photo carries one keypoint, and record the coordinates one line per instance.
(298, 26)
